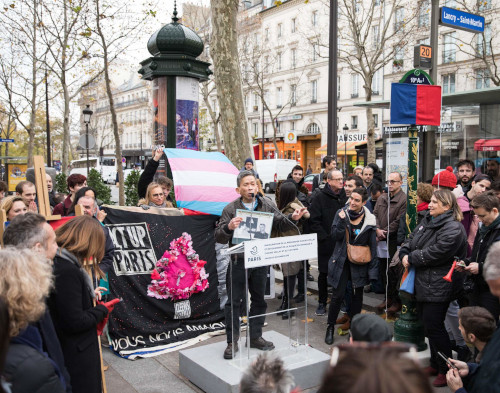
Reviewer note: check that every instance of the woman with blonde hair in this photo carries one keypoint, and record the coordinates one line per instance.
(431, 249)
(81, 247)
(155, 197)
(13, 205)
(25, 282)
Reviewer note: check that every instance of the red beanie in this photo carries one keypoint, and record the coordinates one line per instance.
(445, 178)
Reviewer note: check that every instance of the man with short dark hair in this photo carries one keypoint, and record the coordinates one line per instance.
(74, 183)
(483, 377)
(27, 191)
(323, 208)
(32, 231)
(367, 175)
(465, 174)
(388, 211)
(375, 191)
(297, 177)
(235, 280)
(495, 187)
(351, 183)
(329, 164)
(266, 375)
(492, 169)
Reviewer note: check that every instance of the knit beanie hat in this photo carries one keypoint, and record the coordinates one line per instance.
(370, 328)
(445, 178)
(249, 160)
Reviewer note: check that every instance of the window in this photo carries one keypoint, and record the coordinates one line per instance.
(482, 79)
(376, 83)
(256, 39)
(266, 63)
(292, 125)
(423, 13)
(314, 52)
(375, 31)
(484, 41)
(399, 19)
(255, 129)
(255, 102)
(246, 100)
(312, 128)
(354, 122)
(280, 29)
(293, 58)
(266, 34)
(354, 85)
(278, 126)
(294, 25)
(449, 48)
(448, 83)
(398, 63)
(279, 97)
(375, 120)
(280, 62)
(377, 2)
(314, 19)
(293, 95)
(314, 92)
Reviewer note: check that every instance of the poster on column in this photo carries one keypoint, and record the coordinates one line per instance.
(187, 113)
(396, 158)
(170, 313)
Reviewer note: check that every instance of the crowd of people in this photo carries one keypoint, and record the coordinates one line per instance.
(51, 291)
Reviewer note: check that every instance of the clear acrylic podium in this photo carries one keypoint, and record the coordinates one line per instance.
(287, 328)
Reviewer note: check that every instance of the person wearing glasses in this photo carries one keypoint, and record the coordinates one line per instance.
(155, 197)
(388, 211)
(323, 208)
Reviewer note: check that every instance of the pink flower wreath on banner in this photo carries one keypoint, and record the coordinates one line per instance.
(179, 273)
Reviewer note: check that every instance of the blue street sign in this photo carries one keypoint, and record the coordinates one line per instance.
(461, 20)
(6, 140)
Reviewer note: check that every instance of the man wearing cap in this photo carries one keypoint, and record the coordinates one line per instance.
(370, 328)
(249, 167)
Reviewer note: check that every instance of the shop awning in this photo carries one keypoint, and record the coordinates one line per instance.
(487, 145)
(341, 148)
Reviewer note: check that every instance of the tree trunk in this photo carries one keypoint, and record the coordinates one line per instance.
(370, 134)
(66, 139)
(34, 66)
(114, 120)
(228, 80)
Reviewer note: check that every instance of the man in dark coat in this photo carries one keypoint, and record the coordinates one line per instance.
(32, 231)
(323, 208)
(483, 377)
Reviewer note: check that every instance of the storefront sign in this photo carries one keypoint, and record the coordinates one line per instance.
(451, 145)
(461, 20)
(455, 126)
(355, 137)
(290, 137)
(284, 118)
(16, 173)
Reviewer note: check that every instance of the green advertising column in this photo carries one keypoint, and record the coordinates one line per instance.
(408, 328)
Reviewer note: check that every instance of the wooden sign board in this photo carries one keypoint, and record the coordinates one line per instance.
(42, 191)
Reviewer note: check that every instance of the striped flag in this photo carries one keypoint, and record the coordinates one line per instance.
(203, 181)
(415, 104)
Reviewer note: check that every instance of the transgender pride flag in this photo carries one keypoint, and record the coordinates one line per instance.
(203, 181)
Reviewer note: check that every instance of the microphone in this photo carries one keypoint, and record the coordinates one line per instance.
(263, 199)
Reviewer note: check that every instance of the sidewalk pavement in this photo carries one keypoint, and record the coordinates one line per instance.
(161, 373)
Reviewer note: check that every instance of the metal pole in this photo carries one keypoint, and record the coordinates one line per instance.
(345, 152)
(49, 158)
(87, 145)
(331, 148)
(263, 143)
(430, 136)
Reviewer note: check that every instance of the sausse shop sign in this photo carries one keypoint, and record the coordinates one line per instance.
(355, 137)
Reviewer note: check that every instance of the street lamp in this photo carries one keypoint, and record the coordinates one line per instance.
(87, 114)
(345, 128)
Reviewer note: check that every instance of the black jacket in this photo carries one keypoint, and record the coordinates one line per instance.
(27, 368)
(431, 249)
(482, 244)
(323, 208)
(75, 319)
(147, 177)
(317, 180)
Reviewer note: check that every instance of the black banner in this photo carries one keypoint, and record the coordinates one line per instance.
(140, 325)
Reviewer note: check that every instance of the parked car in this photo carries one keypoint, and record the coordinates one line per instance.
(308, 181)
(111, 179)
(273, 170)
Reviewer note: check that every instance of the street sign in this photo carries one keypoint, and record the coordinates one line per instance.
(416, 77)
(422, 56)
(83, 141)
(461, 20)
(6, 140)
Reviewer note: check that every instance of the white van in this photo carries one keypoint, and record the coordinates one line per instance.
(273, 170)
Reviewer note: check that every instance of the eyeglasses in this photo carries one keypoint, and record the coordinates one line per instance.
(158, 195)
(392, 181)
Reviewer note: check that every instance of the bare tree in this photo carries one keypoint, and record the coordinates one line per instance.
(224, 50)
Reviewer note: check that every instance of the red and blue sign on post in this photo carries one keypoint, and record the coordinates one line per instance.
(415, 104)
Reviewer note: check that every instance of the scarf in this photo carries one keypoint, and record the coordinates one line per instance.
(86, 278)
(355, 215)
(485, 229)
(152, 204)
(422, 206)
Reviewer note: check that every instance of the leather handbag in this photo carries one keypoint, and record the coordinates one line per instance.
(359, 255)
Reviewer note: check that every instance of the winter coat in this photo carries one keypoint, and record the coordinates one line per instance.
(224, 235)
(479, 251)
(291, 268)
(360, 274)
(402, 230)
(27, 368)
(397, 209)
(323, 208)
(75, 319)
(431, 249)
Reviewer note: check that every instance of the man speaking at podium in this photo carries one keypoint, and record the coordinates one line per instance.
(235, 278)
